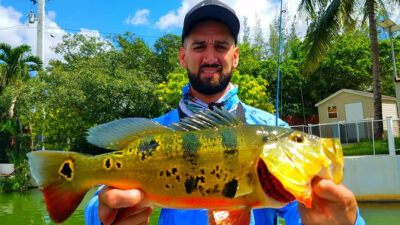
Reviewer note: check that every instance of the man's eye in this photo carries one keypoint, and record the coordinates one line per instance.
(198, 47)
(221, 47)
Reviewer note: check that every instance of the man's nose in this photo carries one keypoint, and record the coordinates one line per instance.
(210, 56)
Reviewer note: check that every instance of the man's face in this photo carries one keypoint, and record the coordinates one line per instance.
(209, 54)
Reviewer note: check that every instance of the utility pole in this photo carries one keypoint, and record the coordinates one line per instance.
(40, 31)
(279, 63)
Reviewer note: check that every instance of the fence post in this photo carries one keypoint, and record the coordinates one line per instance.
(392, 150)
(373, 135)
(309, 129)
(338, 127)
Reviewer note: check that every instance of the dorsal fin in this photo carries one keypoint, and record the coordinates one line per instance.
(117, 134)
(240, 113)
(207, 119)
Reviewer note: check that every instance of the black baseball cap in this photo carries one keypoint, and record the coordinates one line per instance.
(211, 10)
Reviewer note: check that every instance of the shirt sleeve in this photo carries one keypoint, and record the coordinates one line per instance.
(91, 211)
(359, 220)
(290, 214)
(292, 217)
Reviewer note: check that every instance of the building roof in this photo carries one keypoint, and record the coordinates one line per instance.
(354, 92)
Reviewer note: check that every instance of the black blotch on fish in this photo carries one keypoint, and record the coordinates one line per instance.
(161, 173)
(178, 178)
(217, 175)
(167, 173)
(230, 189)
(190, 146)
(166, 185)
(66, 170)
(190, 184)
(147, 147)
(229, 142)
(118, 164)
(118, 153)
(202, 171)
(201, 179)
(174, 170)
(265, 138)
(108, 163)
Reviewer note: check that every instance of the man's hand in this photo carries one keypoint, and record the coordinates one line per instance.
(331, 204)
(119, 207)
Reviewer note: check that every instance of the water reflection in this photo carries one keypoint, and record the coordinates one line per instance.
(29, 208)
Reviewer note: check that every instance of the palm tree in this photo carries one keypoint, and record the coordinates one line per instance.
(329, 17)
(15, 65)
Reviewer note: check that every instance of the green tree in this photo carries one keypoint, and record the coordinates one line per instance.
(167, 52)
(328, 18)
(15, 65)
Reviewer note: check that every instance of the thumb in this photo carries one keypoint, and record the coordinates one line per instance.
(327, 189)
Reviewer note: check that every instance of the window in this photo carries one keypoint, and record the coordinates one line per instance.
(332, 112)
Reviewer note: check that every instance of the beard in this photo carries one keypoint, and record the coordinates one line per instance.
(207, 86)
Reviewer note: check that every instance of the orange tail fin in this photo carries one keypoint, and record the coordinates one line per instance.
(62, 187)
(229, 217)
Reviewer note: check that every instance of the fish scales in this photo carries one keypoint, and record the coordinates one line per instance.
(236, 166)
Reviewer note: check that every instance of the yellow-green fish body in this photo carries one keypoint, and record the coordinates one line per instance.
(211, 161)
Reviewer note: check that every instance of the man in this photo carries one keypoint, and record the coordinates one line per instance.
(209, 54)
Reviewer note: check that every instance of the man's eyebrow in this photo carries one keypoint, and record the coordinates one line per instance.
(222, 42)
(198, 42)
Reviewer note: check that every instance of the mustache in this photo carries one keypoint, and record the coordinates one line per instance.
(214, 65)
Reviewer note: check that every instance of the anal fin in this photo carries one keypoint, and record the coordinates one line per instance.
(61, 203)
(229, 217)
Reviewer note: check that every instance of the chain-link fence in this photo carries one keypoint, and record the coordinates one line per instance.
(358, 131)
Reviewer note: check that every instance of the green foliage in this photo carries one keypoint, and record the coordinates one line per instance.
(253, 91)
(170, 91)
(19, 181)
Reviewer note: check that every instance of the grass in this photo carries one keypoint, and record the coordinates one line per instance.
(366, 147)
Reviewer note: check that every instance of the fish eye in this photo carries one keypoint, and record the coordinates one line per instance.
(296, 137)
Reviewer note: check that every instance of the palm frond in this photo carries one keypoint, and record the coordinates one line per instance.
(33, 59)
(320, 35)
(308, 7)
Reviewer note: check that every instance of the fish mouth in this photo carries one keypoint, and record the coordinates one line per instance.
(271, 185)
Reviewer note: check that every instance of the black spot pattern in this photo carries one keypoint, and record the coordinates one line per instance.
(108, 163)
(230, 189)
(190, 146)
(229, 142)
(147, 147)
(118, 164)
(190, 184)
(66, 170)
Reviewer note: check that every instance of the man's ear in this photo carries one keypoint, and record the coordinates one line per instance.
(235, 58)
(182, 57)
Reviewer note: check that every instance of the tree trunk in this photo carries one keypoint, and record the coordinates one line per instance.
(11, 110)
(375, 68)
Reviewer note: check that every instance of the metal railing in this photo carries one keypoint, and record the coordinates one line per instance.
(356, 131)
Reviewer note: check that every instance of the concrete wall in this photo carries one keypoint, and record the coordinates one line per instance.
(373, 178)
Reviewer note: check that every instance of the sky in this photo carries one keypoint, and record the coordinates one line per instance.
(148, 19)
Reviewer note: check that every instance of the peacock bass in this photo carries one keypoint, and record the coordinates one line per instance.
(213, 160)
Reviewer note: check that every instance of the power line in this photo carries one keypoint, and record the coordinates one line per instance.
(77, 30)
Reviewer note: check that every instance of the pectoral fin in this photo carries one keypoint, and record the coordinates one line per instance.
(229, 217)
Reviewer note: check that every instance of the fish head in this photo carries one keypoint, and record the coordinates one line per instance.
(291, 159)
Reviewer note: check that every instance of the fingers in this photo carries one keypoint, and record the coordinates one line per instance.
(111, 200)
(328, 190)
(115, 198)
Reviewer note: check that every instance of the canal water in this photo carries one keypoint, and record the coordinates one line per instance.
(29, 209)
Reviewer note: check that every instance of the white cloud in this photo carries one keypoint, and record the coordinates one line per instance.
(15, 30)
(139, 18)
(265, 10)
